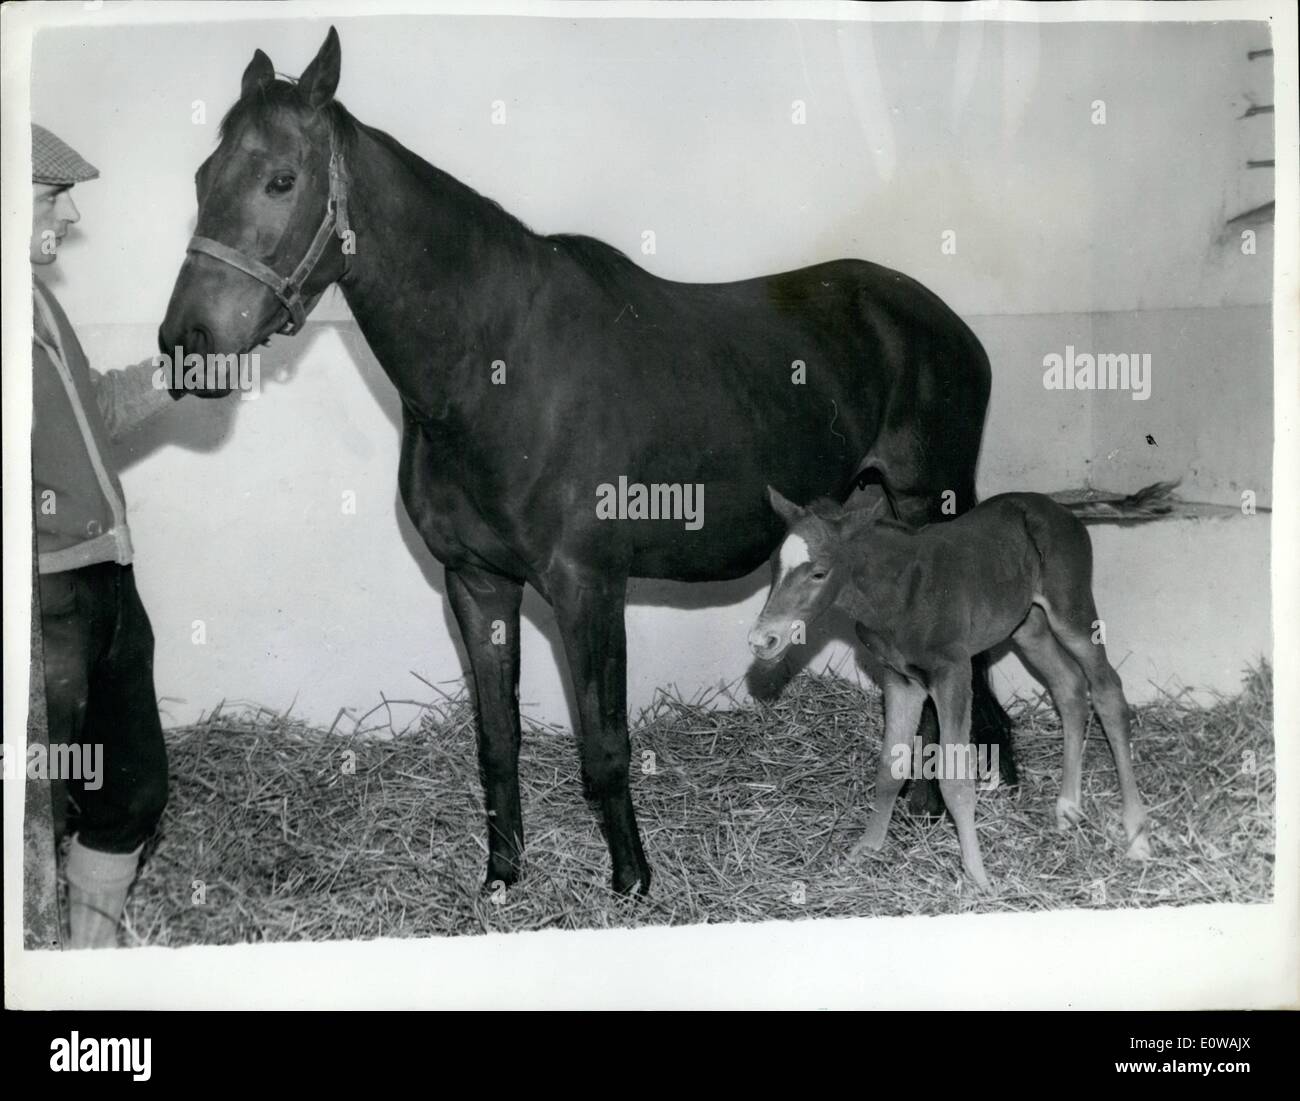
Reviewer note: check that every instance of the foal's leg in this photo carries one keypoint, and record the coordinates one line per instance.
(991, 724)
(1073, 625)
(1065, 680)
(952, 699)
(903, 703)
(486, 607)
(590, 616)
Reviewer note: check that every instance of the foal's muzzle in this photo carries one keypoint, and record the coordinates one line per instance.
(765, 643)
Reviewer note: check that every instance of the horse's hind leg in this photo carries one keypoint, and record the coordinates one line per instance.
(952, 699)
(589, 611)
(1065, 680)
(903, 703)
(1072, 620)
(480, 601)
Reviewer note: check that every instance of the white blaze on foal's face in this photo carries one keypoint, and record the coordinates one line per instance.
(794, 552)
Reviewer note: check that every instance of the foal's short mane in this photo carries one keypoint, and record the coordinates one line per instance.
(830, 511)
(825, 508)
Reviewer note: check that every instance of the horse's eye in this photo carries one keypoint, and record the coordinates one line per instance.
(819, 575)
(279, 184)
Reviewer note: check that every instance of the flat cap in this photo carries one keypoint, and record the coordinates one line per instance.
(56, 162)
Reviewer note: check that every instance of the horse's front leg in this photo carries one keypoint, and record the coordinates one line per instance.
(903, 703)
(486, 606)
(590, 616)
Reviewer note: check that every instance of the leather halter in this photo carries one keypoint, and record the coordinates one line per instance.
(288, 289)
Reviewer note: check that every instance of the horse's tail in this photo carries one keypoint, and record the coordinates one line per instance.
(1148, 503)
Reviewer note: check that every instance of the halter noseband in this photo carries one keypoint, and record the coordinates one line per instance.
(289, 289)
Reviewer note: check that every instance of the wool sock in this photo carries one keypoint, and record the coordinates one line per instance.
(97, 887)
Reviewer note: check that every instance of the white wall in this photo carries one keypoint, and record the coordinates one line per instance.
(1107, 237)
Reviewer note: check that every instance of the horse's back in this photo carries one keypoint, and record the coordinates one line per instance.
(1057, 536)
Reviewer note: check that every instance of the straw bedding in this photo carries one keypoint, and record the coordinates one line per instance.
(277, 831)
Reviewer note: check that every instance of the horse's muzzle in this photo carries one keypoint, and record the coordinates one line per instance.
(765, 643)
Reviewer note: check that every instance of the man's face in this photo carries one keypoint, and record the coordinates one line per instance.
(52, 212)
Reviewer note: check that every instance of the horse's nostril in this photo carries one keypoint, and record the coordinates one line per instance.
(761, 642)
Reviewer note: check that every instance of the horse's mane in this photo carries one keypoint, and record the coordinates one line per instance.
(261, 107)
(825, 508)
(594, 254)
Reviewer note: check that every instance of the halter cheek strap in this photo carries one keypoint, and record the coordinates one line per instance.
(288, 289)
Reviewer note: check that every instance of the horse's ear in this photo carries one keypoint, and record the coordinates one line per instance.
(260, 71)
(787, 510)
(321, 78)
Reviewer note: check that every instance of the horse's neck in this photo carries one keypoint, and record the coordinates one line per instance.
(436, 267)
(882, 556)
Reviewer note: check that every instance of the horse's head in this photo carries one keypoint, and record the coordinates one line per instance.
(811, 570)
(272, 201)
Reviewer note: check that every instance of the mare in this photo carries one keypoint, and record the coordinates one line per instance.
(537, 371)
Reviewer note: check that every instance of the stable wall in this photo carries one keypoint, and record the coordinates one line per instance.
(1107, 237)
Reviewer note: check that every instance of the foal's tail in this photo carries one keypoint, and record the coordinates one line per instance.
(1148, 503)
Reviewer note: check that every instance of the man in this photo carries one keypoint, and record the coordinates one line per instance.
(98, 644)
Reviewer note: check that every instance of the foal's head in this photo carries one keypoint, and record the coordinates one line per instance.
(812, 566)
(263, 193)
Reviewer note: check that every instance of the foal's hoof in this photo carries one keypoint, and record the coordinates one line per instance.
(870, 842)
(1067, 814)
(1140, 847)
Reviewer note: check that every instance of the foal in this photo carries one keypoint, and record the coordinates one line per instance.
(925, 601)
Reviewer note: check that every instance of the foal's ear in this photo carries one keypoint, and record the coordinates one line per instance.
(787, 510)
(260, 71)
(321, 78)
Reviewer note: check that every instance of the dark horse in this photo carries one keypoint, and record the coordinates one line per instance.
(535, 369)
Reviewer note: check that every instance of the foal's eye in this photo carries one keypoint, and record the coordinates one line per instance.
(819, 575)
(279, 184)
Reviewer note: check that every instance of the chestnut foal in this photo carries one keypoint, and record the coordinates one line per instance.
(925, 601)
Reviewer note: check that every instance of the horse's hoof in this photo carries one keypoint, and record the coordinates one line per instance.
(636, 885)
(869, 842)
(500, 875)
(1067, 814)
(1140, 847)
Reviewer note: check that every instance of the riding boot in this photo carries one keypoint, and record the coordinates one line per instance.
(97, 887)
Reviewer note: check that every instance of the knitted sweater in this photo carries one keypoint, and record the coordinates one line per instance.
(78, 505)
